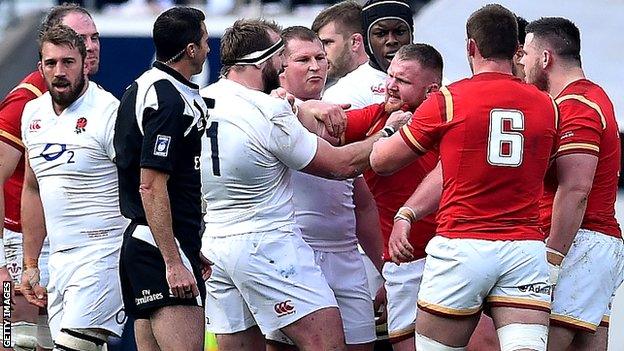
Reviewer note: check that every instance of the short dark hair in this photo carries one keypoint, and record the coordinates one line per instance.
(56, 14)
(561, 34)
(63, 35)
(495, 31)
(522, 23)
(174, 29)
(346, 15)
(244, 37)
(298, 32)
(426, 55)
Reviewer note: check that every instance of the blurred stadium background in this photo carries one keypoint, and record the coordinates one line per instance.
(127, 50)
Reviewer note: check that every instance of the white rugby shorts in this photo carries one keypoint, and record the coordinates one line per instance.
(84, 289)
(346, 276)
(267, 279)
(402, 286)
(461, 275)
(590, 274)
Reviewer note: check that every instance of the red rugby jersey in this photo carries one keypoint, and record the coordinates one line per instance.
(496, 135)
(11, 109)
(392, 191)
(588, 126)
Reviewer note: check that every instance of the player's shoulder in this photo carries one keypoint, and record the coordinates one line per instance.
(238, 99)
(37, 104)
(585, 92)
(101, 96)
(35, 79)
(349, 84)
(36, 109)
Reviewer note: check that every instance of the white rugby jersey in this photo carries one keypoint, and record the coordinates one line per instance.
(252, 141)
(362, 87)
(324, 211)
(72, 158)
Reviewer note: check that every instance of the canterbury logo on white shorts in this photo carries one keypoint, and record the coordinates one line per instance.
(284, 308)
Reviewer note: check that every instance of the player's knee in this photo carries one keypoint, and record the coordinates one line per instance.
(24, 336)
(425, 343)
(522, 337)
(80, 339)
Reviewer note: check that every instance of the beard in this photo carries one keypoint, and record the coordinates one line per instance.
(270, 78)
(340, 66)
(538, 77)
(66, 98)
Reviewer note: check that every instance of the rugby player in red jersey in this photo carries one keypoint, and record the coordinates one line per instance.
(585, 241)
(488, 252)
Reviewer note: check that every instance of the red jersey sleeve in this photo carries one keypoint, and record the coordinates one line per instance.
(581, 126)
(423, 132)
(361, 121)
(11, 115)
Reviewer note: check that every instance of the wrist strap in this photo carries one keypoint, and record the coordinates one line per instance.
(553, 256)
(405, 213)
(555, 252)
(31, 263)
(388, 130)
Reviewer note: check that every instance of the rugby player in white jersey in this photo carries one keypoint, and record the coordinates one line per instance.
(264, 277)
(71, 193)
(387, 25)
(340, 29)
(29, 329)
(333, 215)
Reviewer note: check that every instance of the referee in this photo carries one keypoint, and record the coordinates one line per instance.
(157, 139)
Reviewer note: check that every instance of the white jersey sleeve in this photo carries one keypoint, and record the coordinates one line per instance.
(107, 132)
(290, 142)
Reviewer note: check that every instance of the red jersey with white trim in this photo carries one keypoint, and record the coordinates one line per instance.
(588, 126)
(11, 109)
(392, 191)
(495, 135)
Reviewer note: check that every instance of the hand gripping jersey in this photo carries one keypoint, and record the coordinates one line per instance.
(362, 87)
(161, 120)
(588, 126)
(11, 110)
(252, 142)
(392, 191)
(495, 135)
(72, 157)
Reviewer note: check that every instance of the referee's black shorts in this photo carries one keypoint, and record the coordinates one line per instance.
(143, 280)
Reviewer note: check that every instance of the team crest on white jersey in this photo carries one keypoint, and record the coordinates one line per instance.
(81, 125)
(378, 89)
(34, 126)
(161, 148)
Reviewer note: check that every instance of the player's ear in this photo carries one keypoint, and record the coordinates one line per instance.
(432, 88)
(357, 40)
(40, 68)
(191, 50)
(85, 65)
(471, 47)
(546, 58)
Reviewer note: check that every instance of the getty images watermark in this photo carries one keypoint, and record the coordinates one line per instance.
(6, 314)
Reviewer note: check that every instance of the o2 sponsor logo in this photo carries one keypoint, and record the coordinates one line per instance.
(52, 152)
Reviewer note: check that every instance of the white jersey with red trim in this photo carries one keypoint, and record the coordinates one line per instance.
(362, 87)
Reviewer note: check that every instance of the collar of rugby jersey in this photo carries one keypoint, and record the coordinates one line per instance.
(175, 74)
